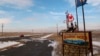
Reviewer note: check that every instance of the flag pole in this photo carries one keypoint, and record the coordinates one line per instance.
(67, 24)
(76, 15)
(84, 27)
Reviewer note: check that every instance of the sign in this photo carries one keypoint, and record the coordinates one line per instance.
(76, 44)
(77, 38)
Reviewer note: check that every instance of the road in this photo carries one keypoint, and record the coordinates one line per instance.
(31, 48)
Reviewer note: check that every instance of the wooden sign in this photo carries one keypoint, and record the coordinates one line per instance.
(76, 43)
(77, 38)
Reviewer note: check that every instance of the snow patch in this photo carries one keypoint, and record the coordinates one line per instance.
(96, 43)
(46, 36)
(53, 44)
(7, 44)
(94, 52)
(19, 45)
(95, 49)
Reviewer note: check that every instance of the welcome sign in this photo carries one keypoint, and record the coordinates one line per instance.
(77, 42)
(77, 38)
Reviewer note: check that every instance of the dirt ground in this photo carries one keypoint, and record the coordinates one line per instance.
(5, 34)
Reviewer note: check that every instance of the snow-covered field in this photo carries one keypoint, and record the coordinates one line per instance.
(96, 47)
(96, 43)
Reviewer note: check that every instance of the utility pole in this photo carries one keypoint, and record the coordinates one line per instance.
(32, 32)
(57, 29)
(2, 28)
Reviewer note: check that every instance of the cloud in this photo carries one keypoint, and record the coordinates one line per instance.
(56, 13)
(71, 2)
(42, 7)
(94, 2)
(89, 26)
(95, 17)
(40, 15)
(29, 10)
(5, 20)
(5, 17)
(49, 16)
(2, 12)
(17, 3)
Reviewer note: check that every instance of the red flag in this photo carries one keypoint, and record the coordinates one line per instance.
(69, 17)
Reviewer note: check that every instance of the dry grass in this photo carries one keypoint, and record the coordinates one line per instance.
(19, 33)
(15, 33)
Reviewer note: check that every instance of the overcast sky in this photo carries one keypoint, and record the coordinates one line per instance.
(25, 15)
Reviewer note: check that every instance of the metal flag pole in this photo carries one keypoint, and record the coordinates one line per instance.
(76, 15)
(84, 27)
(67, 24)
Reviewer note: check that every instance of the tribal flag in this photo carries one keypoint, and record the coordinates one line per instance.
(80, 2)
(69, 17)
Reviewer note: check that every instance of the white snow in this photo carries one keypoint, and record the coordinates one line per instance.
(46, 36)
(41, 39)
(95, 52)
(7, 44)
(53, 44)
(96, 43)
(19, 45)
(95, 49)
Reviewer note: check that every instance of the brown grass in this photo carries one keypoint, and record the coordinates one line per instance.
(5, 34)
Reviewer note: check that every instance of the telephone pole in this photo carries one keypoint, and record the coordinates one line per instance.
(2, 26)
(57, 28)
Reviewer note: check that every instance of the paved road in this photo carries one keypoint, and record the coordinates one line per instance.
(31, 48)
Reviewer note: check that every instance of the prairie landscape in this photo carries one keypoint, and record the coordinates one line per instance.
(58, 50)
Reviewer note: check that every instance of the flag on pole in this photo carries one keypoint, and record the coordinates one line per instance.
(80, 2)
(69, 17)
